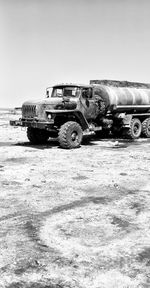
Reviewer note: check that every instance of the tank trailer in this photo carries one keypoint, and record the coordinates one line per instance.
(70, 111)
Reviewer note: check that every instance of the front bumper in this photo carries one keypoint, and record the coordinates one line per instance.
(34, 124)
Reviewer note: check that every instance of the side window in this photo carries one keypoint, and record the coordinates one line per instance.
(90, 93)
(87, 93)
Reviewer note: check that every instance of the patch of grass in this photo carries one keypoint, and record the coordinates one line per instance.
(124, 224)
(137, 206)
(38, 285)
(145, 256)
(30, 265)
(20, 160)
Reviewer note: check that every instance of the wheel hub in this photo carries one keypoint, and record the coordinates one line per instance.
(136, 129)
(74, 136)
(148, 128)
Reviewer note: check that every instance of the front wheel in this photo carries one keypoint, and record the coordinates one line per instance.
(70, 135)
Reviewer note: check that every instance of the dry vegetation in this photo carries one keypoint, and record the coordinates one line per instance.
(73, 218)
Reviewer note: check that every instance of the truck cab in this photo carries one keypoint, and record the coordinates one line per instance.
(68, 111)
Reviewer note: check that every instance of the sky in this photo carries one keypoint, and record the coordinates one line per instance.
(46, 42)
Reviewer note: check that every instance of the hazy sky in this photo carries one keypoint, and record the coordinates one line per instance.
(44, 42)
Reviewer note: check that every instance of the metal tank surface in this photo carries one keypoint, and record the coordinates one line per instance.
(127, 105)
(117, 83)
(121, 98)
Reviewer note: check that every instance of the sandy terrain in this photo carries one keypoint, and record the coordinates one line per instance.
(73, 218)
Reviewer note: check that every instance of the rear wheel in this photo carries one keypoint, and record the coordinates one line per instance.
(37, 136)
(70, 135)
(135, 129)
(146, 127)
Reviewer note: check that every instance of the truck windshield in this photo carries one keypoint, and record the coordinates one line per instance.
(68, 91)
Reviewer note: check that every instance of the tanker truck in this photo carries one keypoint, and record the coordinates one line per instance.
(70, 111)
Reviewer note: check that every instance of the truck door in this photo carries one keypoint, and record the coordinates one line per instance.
(88, 104)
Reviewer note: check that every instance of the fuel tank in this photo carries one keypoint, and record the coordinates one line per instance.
(123, 97)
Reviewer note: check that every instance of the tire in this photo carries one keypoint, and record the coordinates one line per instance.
(135, 129)
(146, 127)
(37, 136)
(70, 135)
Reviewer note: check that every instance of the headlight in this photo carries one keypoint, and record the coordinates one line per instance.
(49, 116)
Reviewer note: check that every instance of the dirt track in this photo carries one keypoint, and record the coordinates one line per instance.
(73, 218)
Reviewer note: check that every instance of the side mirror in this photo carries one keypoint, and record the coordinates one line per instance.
(85, 94)
(47, 94)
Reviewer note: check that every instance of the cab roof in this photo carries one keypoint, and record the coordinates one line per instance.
(72, 85)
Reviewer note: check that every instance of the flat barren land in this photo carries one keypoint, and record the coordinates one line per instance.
(73, 218)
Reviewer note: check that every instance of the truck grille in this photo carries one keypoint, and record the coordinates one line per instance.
(28, 111)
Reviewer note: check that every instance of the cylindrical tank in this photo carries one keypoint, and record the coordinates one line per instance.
(124, 98)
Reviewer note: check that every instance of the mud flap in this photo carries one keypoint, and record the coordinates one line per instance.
(127, 120)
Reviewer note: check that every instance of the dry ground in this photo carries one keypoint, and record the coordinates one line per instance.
(73, 218)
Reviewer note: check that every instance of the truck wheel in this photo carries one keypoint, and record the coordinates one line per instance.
(70, 135)
(135, 129)
(37, 136)
(146, 127)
